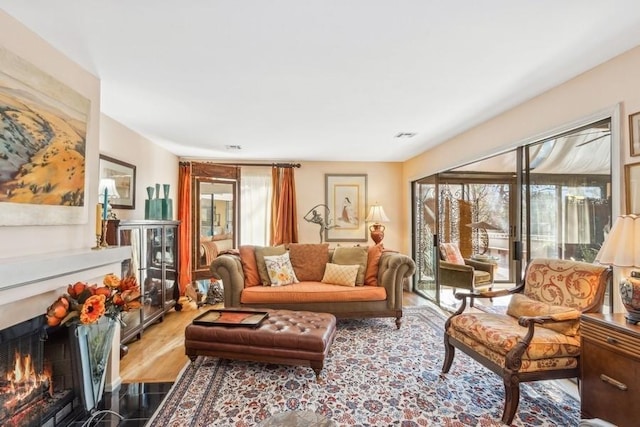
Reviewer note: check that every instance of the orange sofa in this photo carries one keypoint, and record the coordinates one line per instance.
(381, 296)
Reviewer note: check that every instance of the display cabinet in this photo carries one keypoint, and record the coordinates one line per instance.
(154, 263)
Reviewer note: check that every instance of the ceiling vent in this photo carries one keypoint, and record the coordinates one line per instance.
(406, 135)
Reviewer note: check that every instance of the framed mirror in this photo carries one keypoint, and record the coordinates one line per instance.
(215, 216)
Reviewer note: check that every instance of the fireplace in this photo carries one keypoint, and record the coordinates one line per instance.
(40, 379)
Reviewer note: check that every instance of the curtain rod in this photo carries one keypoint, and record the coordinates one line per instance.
(277, 165)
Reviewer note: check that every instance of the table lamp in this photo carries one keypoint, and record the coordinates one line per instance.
(107, 190)
(377, 215)
(621, 248)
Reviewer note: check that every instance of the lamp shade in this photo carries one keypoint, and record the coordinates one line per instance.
(376, 214)
(621, 247)
(110, 185)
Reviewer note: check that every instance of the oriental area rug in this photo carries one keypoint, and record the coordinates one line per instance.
(375, 375)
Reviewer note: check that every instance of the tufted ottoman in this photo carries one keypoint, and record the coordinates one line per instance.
(284, 337)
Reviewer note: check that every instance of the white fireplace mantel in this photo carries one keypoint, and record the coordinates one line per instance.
(29, 284)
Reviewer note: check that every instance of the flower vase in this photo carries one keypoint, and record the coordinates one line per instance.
(94, 347)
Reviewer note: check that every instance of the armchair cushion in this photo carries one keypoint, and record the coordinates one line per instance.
(493, 335)
(451, 253)
(521, 305)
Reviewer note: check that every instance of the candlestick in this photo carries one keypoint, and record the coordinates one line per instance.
(103, 241)
(98, 218)
(104, 206)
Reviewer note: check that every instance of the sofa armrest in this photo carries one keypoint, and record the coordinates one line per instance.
(393, 269)
(228, 268)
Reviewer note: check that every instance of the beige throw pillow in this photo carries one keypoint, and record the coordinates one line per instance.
(261, 252)
(343, 275)
(352, 256)
(521, 305)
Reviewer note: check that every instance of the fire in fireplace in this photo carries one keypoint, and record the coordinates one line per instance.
(37, 382)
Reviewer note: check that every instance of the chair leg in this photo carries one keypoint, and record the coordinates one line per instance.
(511, 398)
(449, 353)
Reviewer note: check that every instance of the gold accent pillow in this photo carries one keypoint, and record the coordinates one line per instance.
(343, 275)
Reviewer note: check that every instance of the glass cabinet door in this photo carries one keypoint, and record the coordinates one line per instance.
(131, 267)
(151, 289)
(170, 265)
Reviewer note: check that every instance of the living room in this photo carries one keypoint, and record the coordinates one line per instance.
(610, 88)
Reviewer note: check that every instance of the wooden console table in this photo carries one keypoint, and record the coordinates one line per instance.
(610, 368)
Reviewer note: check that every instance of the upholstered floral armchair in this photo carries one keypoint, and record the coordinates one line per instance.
(538, 338)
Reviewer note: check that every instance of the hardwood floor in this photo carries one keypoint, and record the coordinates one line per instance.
(159, 355)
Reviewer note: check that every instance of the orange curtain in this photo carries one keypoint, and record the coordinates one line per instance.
(275, 202)
(184, 234)
(284, 225)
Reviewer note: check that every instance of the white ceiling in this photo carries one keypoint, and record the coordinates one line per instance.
(294, 80)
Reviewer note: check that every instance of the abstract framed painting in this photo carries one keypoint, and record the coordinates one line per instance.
(43, 147)
(346, 198)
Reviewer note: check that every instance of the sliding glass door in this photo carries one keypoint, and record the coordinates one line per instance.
(425, 244)
(548, 199)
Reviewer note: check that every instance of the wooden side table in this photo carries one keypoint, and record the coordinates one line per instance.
(610, 369)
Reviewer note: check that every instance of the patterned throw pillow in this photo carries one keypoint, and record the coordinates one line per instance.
(343, 275)
(451, 253)
(280, 270)
(350, 256)
(521, 305)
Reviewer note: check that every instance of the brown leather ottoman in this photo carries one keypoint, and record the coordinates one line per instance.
(284, 337)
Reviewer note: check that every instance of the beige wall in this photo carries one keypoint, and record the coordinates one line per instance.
(153, 163)
(26, 240)
(611, 88)
(384, 184)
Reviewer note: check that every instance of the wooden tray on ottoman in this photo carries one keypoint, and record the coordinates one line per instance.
(283, 337)
(230, 317)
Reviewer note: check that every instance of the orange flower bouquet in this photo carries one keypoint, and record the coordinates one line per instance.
(85, 304)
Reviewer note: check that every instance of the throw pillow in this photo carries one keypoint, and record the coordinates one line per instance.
(309, 260)
(343, 275)
(451, 253)
(373, 263)
(522, 305)
(280, 270)
(249, 266)
(351, 256)
(261, 251)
